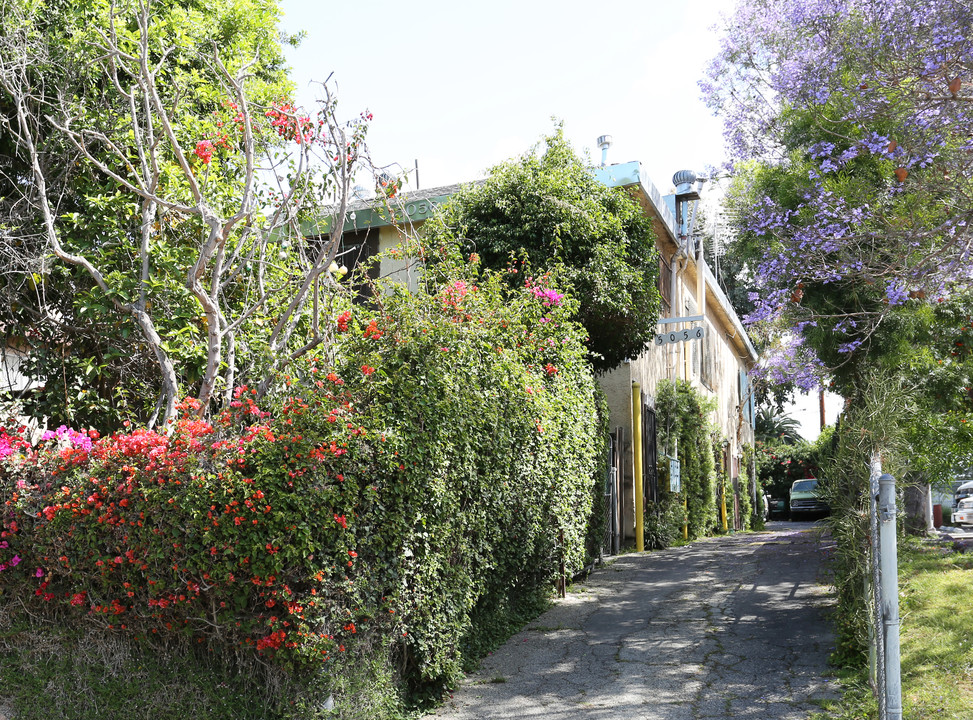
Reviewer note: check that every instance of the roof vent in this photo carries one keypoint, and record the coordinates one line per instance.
(604, 142)
(683, 180)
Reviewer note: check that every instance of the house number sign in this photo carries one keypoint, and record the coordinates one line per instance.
(674, 336)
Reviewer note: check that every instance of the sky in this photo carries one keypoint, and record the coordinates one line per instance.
(806, 409)
(462, 86)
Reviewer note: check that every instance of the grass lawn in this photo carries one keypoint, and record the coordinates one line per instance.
(936, 637)
(936, 608)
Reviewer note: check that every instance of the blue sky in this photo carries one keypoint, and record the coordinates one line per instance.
(462, 86)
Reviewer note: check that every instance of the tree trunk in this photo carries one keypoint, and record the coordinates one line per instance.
(917, 510)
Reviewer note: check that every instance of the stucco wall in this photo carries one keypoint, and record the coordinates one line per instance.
(712, 366)
(403, 269)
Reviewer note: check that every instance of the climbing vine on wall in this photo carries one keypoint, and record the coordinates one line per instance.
(684, 432)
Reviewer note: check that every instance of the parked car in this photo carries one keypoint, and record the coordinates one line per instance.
(963, 514)
(963, 491)
(805, 499)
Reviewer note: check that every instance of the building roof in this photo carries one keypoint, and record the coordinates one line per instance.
(419, 205)
(375, 212)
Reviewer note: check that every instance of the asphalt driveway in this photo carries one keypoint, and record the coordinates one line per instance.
(729, 627)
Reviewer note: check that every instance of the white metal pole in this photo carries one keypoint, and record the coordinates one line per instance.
(890, 596)
(930, 522)
(877, 634)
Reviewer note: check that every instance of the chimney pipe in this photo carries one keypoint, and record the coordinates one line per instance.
(604, 142)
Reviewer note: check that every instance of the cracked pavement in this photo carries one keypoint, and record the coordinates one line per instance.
(727, 627)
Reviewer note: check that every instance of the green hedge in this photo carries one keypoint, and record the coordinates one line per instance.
(416, 490)
(684, 427)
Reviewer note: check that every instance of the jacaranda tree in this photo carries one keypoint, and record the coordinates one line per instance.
(857, 115)
(849, 125)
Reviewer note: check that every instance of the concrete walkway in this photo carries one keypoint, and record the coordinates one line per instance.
(723, 628)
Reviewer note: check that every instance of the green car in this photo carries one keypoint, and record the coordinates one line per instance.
(805, 499)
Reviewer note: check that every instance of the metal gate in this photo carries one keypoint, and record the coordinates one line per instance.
(650, 470)
(613, 523)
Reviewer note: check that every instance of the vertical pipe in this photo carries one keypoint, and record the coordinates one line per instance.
(637, 475)
(890, 596)
(700, 281)
(930, 522)
(879, 646)
(726, 526)
(675, 309)
(685, 516)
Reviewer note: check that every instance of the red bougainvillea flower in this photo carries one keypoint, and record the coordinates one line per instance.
(372, 330)
(367, 370)
(343, 321)
(204, 151)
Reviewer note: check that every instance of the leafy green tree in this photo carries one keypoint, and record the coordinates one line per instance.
(148, 258)
(547, 210)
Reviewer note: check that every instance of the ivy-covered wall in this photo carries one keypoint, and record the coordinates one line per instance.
(684, 431)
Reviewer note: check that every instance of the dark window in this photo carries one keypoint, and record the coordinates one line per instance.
(665, 285)
(357, 248)
(650, 472)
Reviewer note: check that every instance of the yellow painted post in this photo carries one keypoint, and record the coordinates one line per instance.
(723, 508)
(685, 517)
(637, 477)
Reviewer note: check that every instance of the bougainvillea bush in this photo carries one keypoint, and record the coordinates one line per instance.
(437, 464)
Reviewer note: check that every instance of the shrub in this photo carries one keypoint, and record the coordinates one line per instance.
(547, 208)
(418, 485)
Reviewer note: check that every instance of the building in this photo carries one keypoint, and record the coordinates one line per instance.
(716, 359)
(717, 364)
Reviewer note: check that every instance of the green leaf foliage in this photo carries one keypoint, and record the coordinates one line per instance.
(399, 502)
(685, 432)
(548, 210)
(91, 357)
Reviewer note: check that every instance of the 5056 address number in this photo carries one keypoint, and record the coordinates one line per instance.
(674, 336)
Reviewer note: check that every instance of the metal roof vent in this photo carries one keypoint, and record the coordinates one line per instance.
(604, 142)
(683, 180)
